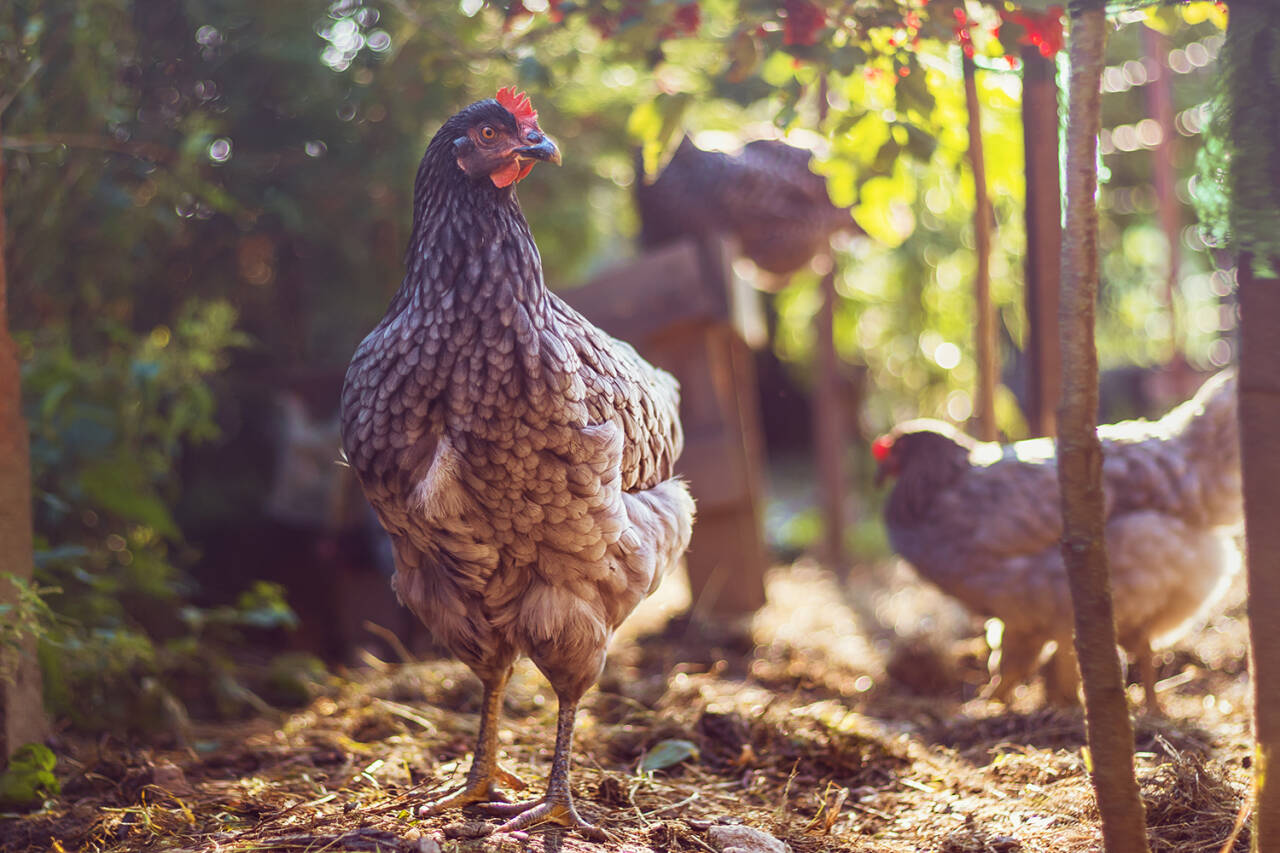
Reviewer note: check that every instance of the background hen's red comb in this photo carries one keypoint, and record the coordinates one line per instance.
(880, 447)
(518, 103)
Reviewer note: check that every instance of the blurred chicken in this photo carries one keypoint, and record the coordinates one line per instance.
(520, 459)
(983, 522)
(767, 197)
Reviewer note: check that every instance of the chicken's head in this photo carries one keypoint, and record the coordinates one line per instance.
(920, 444)
(501, 140)
(887, 465)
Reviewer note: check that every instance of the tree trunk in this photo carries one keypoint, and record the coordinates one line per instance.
(829, 427)
(1260, 462)
(1110, 731)
(1159, 95)
(1044, 239)
(983, 218)
(22, 718)
(828, 419)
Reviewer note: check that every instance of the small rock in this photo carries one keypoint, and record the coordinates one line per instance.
(169, 777)
(468, 830)
(428, 845)
(745, 839)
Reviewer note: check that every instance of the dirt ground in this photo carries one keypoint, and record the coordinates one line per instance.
(847, 721)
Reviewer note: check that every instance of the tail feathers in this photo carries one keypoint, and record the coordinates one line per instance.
(661, 525)
(1210, 416)
(1186, 464)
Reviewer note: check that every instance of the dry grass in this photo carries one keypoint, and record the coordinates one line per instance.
(851, 725)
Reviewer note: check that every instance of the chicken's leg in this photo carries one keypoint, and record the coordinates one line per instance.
(1147, 670)
(479, 787)
(556, 806)
(1011, 664)
(1062, 676)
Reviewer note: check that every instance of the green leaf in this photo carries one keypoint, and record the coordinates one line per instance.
(744, 56)
(656, 124)
(667, 753)
(882, 209)
(29, 781)
(920, 144)
(120, 487)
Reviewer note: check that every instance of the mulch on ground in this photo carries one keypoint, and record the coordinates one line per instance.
(848, 720)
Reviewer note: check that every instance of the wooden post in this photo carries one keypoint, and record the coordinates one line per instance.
(1044, 239)
(22, 718)
(1260, 464)
(1084, 552)
(983, 219)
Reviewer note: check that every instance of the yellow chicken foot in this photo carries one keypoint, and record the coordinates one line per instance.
(556, 806)
(484, 771)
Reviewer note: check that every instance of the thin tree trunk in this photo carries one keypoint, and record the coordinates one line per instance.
(21, 703)
(1110, 731)
(988, 369)
(1260, 461)
(1159, 94)
(1044, 239)
(829, 426)
(828, 420)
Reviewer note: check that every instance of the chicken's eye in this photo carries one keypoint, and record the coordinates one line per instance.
(488, 132)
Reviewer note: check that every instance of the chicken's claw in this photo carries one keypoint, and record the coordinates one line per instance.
(549, 809)
(479, 792)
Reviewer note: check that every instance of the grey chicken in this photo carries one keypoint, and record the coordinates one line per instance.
(767, 197)
(520, 459)
(983, 522)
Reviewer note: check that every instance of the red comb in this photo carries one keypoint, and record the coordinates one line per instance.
(517, 103)
(880, 447)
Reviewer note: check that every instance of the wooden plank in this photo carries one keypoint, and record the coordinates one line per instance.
(642, 298)
(726, 562)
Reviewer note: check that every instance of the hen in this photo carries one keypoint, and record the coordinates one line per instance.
(767, 197)
(520, 459)
(983, 522)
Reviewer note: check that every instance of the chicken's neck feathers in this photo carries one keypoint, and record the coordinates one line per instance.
(920, 483)
(471, 249)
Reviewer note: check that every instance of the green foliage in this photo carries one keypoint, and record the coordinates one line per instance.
(28, 780)
(667, 753)
(110, 415)
(107, 429)
(26, 618)
(1240, 163)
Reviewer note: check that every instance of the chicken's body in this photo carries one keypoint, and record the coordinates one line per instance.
(984, 523)
(520, 459)
(767, 197)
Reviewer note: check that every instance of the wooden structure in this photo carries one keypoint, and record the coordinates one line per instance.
(684, 310)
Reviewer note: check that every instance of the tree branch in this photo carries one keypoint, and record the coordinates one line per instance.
(89, 141)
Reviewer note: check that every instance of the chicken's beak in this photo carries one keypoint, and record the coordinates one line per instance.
(541, 149)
